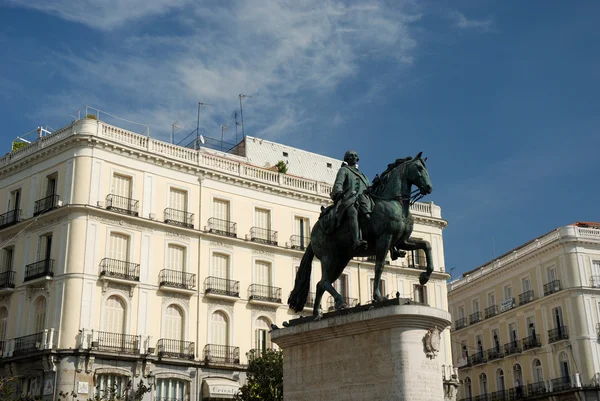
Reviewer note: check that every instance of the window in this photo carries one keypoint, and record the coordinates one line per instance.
(14, 202)
(382, 287)
(420, 293)
(558, 317)
(178, 201)
(7, 262)
(341, 285)
(220, 266)
(262, 218)
(507, 292)
(262, 273)
(551, 274)
(500, 380)
(302, 229)
(219, 329)
(118, 247)
(176, 258)
(496, 339)
(465, 350)
(483, 388)
(538, 375)
(491, 299)
(174, 323)
(461, 312)
(51, 187)
(221, 209)
(468, 388)
(3, 326)
(45, 247)
(518, 376)
(31, 386)
(475, 305)
(172, 390)
(512, 332)
(263, 338)
(595, 273)
(563, 361)
(111, 387)
(526, 284)
(479, 342)
(121, 186)
(39, 315)
(114, 315)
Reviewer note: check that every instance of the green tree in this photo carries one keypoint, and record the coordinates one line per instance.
(265, 377)
(281, 167)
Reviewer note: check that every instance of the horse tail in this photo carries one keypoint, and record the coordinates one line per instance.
(299, 294)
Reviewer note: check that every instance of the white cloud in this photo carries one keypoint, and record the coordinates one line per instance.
(463, 22)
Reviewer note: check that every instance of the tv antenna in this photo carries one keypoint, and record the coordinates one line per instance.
(236, 125)
(242, 112)
(200, 138)
(175, 125)
(224, 129)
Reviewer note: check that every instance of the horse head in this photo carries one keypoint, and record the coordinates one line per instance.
(416, 173)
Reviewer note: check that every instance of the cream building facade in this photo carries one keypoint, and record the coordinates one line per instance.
(527, 325)
(127, 259)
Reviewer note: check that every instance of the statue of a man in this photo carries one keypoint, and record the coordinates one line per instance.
(348, 191)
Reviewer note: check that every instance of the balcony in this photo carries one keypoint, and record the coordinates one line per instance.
(558, 334)
(477, 358)
(517, 393)
(121, 204)
(263, 235)
(551, 287)
(9, 218)
(561, 383)
(179, 218)
(482, 397)
(461, 323)
(500, 395)
(222, 227)
(350, 303)
(513, 347)
(531, 342)
(264, 294)
(7, 281)
(299, 242)
(175, 349)
(119, 269)
(536, 388)
(42, 268)
(491, 311)
(45, 204)
(526, 297)
(223, 288)
(595, 281)
(475, 317)
(416, 260)
(116, 342)
(28, 344)
(221, 355)
(495, 353)
(177, 281)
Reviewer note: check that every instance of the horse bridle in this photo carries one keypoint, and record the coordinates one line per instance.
(412, 199)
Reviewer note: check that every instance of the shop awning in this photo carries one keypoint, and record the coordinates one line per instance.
(219, 388)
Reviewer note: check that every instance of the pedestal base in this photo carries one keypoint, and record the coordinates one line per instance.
(387, 353)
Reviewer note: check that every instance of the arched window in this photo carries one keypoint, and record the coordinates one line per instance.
(538, 374)
(518, 379)
(500, 380)
(563, 361)
(39, 315)
(219, 329)
(220, 266)
(173, 329)
(176, 258)
(3, 323)
(468, 388)
(262, 336)
(483, 387)
(114, 315)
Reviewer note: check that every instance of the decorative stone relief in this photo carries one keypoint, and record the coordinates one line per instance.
(126, 289)
(5, 299)
(216, 305)
(221, 244)
(46, 223)
(432, 342)
(262, 311)
(264, 253)
(176, 235)
(121, 223)
(167, 299)
(32, 291)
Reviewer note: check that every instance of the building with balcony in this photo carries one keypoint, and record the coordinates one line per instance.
(124, 258)
(539, 336)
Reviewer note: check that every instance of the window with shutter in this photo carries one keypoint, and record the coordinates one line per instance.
(220, 266)
(341, 285)
(39, 315)
(121, 185)
(114, 315)
(118, 248)
(178, 199)
(176, 258)
(221, 209)
(262, 218)
(262, 336)
(219, 329)
(3, 323)
(7, 262)
(171, 390)
(174, 323)
(262, 273)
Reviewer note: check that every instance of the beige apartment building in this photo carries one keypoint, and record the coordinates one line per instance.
(527, 325)
(127, 259)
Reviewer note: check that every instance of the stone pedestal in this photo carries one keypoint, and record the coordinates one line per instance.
(386, 353)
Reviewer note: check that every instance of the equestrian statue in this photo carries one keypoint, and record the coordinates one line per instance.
(365, 220)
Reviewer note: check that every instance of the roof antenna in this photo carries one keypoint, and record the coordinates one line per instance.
(242, 112)
(199, 137)
(236, 125)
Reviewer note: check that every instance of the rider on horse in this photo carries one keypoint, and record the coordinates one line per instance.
(350, 198)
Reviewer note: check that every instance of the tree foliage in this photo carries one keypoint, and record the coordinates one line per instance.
(281, 167)
(265, 377)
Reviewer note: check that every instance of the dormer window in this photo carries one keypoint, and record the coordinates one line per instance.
(329, 165)
(285, 154)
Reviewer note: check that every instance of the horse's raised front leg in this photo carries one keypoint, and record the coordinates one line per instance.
(381, 249)
(416, 244)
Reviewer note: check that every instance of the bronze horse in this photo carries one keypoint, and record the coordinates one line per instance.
(390, 225)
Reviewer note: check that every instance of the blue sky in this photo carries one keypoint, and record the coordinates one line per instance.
(502, 96)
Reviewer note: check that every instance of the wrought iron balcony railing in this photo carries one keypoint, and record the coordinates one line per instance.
(120, 269)
(495, 353)
(595, 281)
(45, 204)
(500, 395)
(560, 383)
(513, 347)
(7, 279)
(176, 279)
(267, 293)
(552, 287)
(299, 242)
(477, 358)
(491, 311)
(179, 218)
(222, 227)
(221, 354)
(41, 268)
(122, 204)
(28, 344)
(482, 397)
(461, 323)
(222, 286)
(117, 342)
(9, 218)
(532, 342)
(475, 317)
(416, 260)
(526, 297)
(175, 348)
(263, 235)
(517, 393)
(557, 334)
(536, 388)
(350, 303)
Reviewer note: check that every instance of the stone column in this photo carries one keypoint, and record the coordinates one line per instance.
(386, 353)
